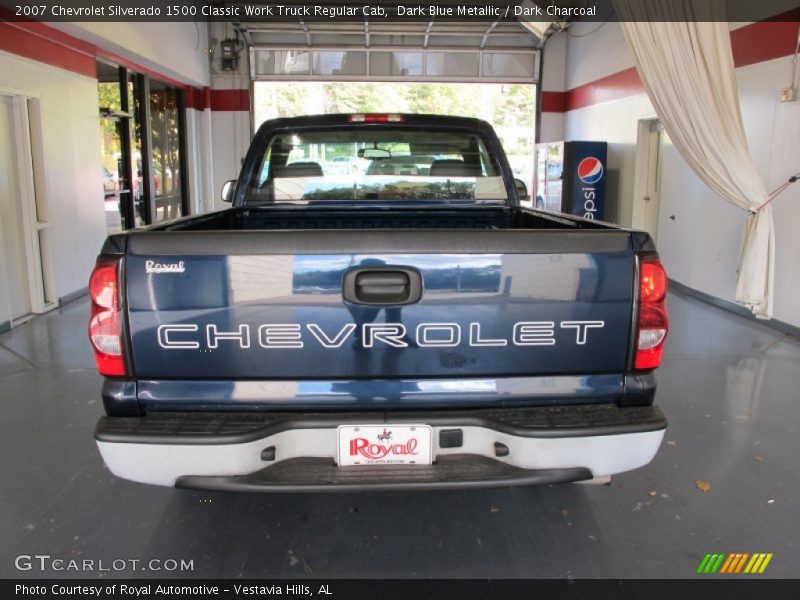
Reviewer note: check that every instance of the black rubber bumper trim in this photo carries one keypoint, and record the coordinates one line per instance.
(211, 428)
(460, 471)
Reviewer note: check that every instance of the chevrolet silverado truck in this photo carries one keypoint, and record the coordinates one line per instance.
(404, 324)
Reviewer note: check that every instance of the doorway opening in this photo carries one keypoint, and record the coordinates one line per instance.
(142, 141)
(647, 182)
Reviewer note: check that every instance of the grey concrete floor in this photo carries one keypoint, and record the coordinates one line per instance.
(730, 387)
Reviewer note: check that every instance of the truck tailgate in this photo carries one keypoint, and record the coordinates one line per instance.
(269, 305)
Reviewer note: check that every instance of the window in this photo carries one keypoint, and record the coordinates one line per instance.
(141, 139)
(120, 149)
(165, 137)
(358, 164)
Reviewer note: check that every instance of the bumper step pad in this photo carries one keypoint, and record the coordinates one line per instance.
(322, 474)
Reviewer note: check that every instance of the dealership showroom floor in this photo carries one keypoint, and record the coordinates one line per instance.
(729, 387)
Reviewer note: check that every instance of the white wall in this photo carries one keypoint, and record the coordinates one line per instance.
(177, 50)
(200, 160)
(230, 130)
(700, 247)
(594, 51)
(73, 181)
(554, 65)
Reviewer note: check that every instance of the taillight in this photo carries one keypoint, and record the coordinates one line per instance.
(652, 320)
(105, 328)
(652, 281)
(375, 118)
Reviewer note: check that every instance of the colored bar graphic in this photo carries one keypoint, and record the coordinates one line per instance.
(755, 562)
(728, 563)
(717, 563)
(741, 562)
(704, 563)
(734, 560)
(734, 563)
(765, 563)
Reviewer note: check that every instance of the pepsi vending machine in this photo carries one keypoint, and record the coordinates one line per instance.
(570, 178)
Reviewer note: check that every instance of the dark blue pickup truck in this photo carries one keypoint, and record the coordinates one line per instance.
(377, 310)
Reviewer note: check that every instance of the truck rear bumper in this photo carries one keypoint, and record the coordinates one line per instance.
(297, 452)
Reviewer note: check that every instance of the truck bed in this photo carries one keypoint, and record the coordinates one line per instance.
(386, 217)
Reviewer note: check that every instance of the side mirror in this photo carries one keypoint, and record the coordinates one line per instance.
(522, 190)
(228, 190)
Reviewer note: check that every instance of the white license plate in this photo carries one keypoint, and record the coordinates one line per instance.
(384, 445)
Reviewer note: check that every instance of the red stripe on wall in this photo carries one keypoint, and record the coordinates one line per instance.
(196, 98)
(230, 100)
(43, 44)
(767, 40)
(612, 87)
(53, 47)
(754, 43)
(219, 100)
(553, 101)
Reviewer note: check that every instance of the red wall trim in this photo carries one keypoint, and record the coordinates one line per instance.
(217, 100)
(767, 40)
(612, 87)
(53, 47)
(196, 98)
(230, 100)
(553, 101)
(43, 44)
(754, 43)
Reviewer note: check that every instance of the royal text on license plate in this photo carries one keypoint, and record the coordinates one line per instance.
(384, 444)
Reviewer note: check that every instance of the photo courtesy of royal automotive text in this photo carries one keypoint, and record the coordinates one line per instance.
(357, 300)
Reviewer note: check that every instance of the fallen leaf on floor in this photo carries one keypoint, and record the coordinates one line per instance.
(652, 493)
(771, 501)
(672, 443)
(703, 485)
(592, 537)
(564, 512)
(307, 568)
(758, 458)
(494, 509)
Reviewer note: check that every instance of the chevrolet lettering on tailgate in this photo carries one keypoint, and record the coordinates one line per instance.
(426, 335)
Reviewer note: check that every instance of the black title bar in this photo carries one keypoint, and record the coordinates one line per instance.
(730, 588)
(466, 10)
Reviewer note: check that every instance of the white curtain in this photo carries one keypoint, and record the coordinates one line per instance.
(682, 51)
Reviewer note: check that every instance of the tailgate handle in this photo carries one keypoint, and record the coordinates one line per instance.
(393, 286)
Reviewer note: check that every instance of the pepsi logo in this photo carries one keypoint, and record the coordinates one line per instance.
(590, 170)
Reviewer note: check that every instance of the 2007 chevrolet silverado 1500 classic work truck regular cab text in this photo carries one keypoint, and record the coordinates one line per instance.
(403, 323)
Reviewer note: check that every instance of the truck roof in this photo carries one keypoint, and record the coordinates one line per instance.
(376, 119)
